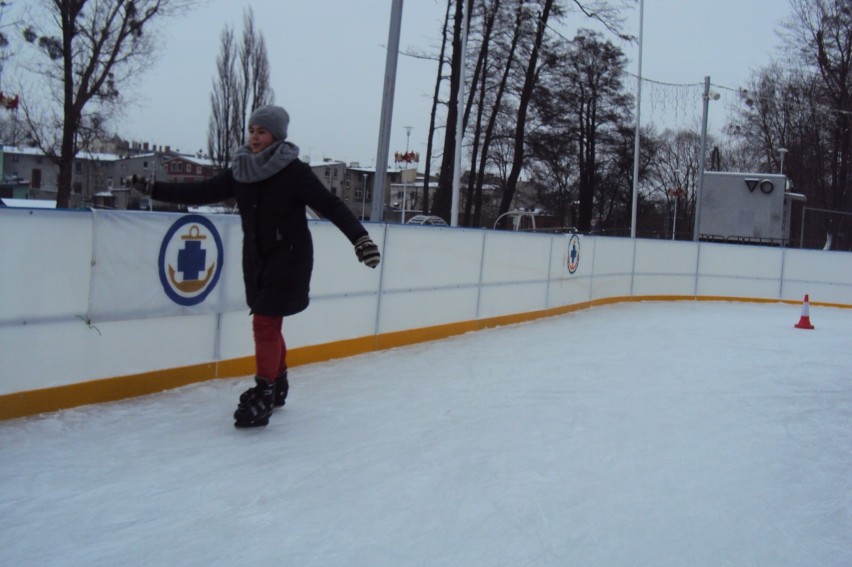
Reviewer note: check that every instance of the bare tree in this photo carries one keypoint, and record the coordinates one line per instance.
(223, 121)
(531, 74)
(253, 81)
(92, 48)
(803, 104)
(433, 115)
(822, 29)
(241, 85)
(492, 95)
(442, 204)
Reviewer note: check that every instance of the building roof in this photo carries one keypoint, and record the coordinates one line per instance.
(28, 203)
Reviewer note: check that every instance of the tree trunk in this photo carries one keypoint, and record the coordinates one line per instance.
(492, 119)
(438, 80)
(523, 104)
(443, 196)
(70, 115)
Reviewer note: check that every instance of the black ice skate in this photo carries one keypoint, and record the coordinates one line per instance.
(281, 388)
(255, 409)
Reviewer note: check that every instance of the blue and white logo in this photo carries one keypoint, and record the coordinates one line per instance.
(190, 261)
(573, 254)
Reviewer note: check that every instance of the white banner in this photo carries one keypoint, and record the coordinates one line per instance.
(161, 264)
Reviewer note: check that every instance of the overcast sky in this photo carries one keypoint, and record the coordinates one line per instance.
(327, 61)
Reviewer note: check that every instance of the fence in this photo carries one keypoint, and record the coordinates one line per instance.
(86, 313)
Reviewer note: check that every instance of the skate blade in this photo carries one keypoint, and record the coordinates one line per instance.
(249, 424)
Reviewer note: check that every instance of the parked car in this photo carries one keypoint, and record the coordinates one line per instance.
(427, 220)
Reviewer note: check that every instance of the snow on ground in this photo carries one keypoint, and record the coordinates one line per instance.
(660, 434)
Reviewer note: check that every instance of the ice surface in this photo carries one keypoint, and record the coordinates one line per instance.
(686, 433)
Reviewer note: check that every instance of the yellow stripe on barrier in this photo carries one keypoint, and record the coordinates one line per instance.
(32, 402)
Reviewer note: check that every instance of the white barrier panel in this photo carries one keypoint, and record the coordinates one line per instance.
(515, 269)
(825, 275)
(344, 292)
(739, 271)
(612, 268)
(154, 265)
(664, 267)
(571, 265)
(44, 265)
(430, 276)
(69, 352)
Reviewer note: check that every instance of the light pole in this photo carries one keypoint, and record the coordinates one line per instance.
(783, 152)
(636, 140)
(364, 197)
(392, 55)
(454, 206)
(408, 130)
(676, 193)
(701, 156)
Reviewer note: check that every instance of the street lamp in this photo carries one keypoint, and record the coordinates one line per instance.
(364, 197)
(408, 130)
(708, 95)
(454, 205)
(676, 193)
(637, 133)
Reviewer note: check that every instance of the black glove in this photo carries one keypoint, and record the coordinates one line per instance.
(141, 184)
(367, 251)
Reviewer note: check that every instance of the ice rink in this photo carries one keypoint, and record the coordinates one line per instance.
(658, 434)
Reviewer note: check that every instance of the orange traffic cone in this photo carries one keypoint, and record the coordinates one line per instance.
(805, 319)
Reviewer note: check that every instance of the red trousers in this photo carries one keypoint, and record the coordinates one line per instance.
(270, 351)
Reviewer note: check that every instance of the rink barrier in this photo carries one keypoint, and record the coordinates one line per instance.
(33, 402)
(83, 317)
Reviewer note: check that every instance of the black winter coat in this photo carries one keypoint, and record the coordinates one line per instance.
(278, 254)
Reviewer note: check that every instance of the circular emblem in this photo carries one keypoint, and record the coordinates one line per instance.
(190, 261)
(573, 253)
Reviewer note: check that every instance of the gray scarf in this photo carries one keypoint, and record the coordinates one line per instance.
(249, 168)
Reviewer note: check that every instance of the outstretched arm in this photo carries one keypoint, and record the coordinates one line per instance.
(217, 188)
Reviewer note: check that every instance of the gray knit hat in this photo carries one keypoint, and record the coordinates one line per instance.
(274, 118)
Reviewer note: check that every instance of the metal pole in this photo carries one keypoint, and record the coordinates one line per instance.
(674, 222)
(454, 207)
(701, 154)
(387, 112)
(404, 197)
(364, 198)
(636, 142)
(408, 130)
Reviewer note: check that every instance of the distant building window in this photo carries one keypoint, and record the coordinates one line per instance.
(16, 159)
(198, 169)
(35, 179)
(78, 166)
(77, 188)
(144, 165)
(326, 172)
